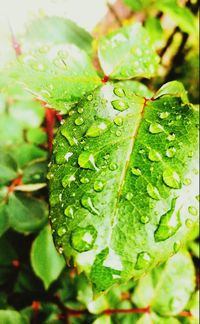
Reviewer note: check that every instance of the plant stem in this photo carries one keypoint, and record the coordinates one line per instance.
(114, 13)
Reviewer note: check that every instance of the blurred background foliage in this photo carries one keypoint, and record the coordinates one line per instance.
(36, 286)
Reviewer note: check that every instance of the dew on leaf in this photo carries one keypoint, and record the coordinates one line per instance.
(144, 219)
(171, 137)
(69, 211)
(86, 161)
(189, 223)
(190, 154)
(164, 114)
(155, 128)
(50, 175)
(129, 196)
(79, 121)
(68, 155)
(153, 191)
(98, 186)
(136, 171)
(113, 166)
(154, 156)
(197, 197)
(80, 110)
(39, 67)
(119, 92)
(193, 210)
(67, 180)
(84, 180)
(83, 238)
(72, 140)
(169, 223)
(118, 121)
(171, 179)
(118, 133)
(98, 128)
(176, 246)
(61, 231)
(195, 171)
(90, 97)
(187, 181)
(86, 202)
(119, 105)
(170, 152)
(143, 261)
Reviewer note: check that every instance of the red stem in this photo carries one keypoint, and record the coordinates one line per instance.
(50, 122)
(127, 311)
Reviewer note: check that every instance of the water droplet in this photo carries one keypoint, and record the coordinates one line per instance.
(171, 137)
(153, 191)
(118, 121)
(90, 97)
(169, 224)
(61, 231)
(197, 197)
(144, 219)
(119, 92)
(187, 181)
(79, 121)
(170, 152)
(67, 180)
(39, 67)
(84, 180)
(72, 140)
(60, 159)
(143, 261)
(87, 203)
(68, 155)
(44, 49)
(189, 223)
(118, 133)
(129, 196)
(119, 105)
(113, 166)
(154, 156)
(86, 160)
(80, 110)
(69, 212)
(60, 250)
(190, 154)
(107, 156)
(195, 171)
(82, 239)
(98, 186)
(164, 114)
(171, 179)
(98, 128)
(136, 171)
(177, 246)
(50, 175)
(193, 210)
(155, 128)
(60, 63)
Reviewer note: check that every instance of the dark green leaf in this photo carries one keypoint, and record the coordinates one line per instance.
(4, 219)
(46, 261)
(112, 193)
(128, 53)
(8, 168)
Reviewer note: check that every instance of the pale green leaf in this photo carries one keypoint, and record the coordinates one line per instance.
(45, 260)
(174, 88)
(12, 317)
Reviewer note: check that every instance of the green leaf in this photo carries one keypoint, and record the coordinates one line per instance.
(45, 260)
(154, 28)
(60, 76)
(36, 136)
(173, 88)
(127, 53)
(182, 16)
(137, 5)
(57, 30)
(4, 219)
(104, 213)
(12, 317)
(8, 167)
(104, 319)
(176, 284)
(144, 292)
(26, 153)
(26, 214)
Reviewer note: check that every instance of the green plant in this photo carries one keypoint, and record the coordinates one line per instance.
(122, 174)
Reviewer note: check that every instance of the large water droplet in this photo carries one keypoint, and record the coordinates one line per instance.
(86, 160)
(119, 105)
(155, 128)
(154, 156)
(69, 211)
(164, 114)
(67, 180)
(143, 261)
(98, 186)
(87, 203)
(169, 224)
(82, 239)
(193, 210)
(79, 121)
(170, 152)
(68, 155)
(98, 128)
(61, 231)
(72, 140)
(118, 121)
(171, 179)
(144, 219)
(136, 171)
(153, 191)
(119, 92)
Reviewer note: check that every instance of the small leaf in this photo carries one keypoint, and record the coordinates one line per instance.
(45, 260)
(30, 187)
(60, 76)
(8, 167)
(174, 88)
(128, 53)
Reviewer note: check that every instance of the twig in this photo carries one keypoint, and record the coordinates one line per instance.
(114, 13)
(169, 41)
